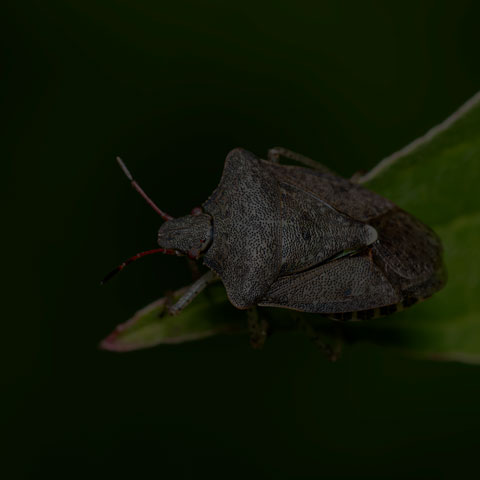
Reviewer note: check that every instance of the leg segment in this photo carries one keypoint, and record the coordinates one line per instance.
(275, 153)
(193, 266)
(257, 328)
(192, 292)
(331, 350)
(357, 176)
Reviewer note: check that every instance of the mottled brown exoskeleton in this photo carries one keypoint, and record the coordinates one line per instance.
(304, 239)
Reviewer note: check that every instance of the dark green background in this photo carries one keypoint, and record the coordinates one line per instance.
(172, 87)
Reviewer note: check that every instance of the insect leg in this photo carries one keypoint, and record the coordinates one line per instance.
(257, 327)
(331, 350)
(357, 176)
(192, 292)
(275, 153)
(193, 266)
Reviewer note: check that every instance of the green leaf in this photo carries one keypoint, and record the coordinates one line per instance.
(436, 178)
(210, 313)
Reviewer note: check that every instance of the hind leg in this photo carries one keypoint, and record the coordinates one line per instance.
(331, 348)
(257, 328)
(275, 153)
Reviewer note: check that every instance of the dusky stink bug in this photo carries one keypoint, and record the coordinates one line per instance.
(301, 238)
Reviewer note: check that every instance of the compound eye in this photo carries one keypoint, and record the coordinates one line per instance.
(196, 211)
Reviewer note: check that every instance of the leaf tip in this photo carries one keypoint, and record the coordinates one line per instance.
(111, 343)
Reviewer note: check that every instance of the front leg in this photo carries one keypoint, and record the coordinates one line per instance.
(192, 292)
(275, 153)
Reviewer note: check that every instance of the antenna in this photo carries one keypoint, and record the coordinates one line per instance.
(167, 251)
(139, 189)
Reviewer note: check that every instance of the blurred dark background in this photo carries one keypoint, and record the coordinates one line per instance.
(172, 87)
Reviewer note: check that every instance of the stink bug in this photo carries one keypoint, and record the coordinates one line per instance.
(302, 238)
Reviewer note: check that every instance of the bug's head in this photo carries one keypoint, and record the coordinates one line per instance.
(190, 235)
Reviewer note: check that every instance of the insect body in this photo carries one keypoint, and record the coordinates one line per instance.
(304, 239)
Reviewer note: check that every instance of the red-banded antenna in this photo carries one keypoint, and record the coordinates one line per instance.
(139, 189)
(168, 251)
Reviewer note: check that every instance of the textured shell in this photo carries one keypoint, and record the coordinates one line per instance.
(246, 229)
(277, 229)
